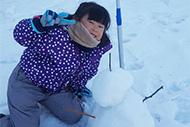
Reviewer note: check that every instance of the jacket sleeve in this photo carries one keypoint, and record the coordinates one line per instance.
(90, 69)
(24, 33)
(84, 75)
(106, 48)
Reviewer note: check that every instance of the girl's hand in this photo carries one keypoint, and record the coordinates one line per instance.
(64, 21)
(51, 18)
(49, 21)
(84, 92)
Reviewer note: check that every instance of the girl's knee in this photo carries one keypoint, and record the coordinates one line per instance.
(76, 117)
(72, 117)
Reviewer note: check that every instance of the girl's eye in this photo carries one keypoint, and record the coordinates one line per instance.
(101, 27)
(90, 21)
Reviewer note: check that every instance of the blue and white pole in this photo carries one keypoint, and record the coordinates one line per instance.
(119, 33)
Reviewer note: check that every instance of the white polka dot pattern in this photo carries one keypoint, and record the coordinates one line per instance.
(51, 60)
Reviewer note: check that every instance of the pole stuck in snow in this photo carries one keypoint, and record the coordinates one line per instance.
(119, 33)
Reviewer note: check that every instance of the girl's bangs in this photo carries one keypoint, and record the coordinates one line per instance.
(99, 15)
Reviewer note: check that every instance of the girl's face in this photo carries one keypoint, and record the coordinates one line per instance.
(96, 29)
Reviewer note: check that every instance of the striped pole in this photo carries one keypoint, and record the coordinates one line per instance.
(119, 33)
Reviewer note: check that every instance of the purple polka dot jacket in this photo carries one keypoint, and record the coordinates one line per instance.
(52, 60)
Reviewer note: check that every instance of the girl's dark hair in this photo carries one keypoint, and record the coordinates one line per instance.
(97, 13)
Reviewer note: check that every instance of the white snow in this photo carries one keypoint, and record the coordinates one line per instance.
(156, 50)
(130, 113)
(110, 87)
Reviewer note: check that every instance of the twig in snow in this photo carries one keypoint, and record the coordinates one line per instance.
(153, 94)
(110, 61)
(78, 112)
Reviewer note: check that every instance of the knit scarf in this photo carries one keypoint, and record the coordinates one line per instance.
(82, 36)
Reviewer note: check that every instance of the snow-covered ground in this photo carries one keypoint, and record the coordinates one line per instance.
(156, 50)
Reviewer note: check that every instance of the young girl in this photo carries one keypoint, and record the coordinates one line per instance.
(62, 53)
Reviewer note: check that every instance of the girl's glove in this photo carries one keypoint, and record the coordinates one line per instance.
(84, 92)
(50, 20)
